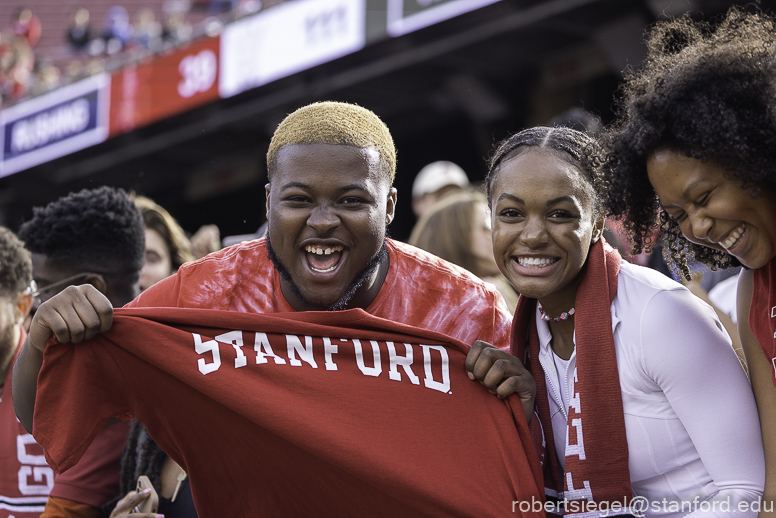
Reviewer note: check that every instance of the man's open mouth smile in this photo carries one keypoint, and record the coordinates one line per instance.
(323, 258)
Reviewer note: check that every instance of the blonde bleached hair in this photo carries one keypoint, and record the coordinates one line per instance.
(335, 123)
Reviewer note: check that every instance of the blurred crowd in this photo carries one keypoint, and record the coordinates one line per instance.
(94, 46)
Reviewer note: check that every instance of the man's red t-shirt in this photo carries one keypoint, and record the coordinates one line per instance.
(25, 478)
(762, 312)
(420, 290)
(296, 414)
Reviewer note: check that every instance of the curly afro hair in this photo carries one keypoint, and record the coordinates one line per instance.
(15, 265)
(98, 230)
(708, 91)
(571, 146)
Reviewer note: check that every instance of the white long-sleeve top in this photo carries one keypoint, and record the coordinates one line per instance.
(690, 415)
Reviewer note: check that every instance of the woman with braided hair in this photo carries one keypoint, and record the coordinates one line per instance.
(627, 362)
(692, 154)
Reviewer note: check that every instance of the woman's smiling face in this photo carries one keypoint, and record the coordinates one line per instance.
(544, 222)
(714, 210)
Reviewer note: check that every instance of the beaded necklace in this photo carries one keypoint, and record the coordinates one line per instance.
(563, 316)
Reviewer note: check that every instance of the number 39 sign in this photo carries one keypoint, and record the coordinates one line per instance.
(164, 86)
(198, 72)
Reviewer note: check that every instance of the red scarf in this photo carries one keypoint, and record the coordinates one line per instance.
(597, 478)
(762, 312)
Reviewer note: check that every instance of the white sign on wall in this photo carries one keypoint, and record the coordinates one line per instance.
(286, 39)
(410, 15)
(58, 123)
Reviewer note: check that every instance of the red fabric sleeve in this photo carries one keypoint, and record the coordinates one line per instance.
(90, 391)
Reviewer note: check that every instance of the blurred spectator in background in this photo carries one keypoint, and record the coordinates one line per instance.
(166, 249)
(434, 182)
(458, 230)
(80, 31)
(22, 494)
(16, 67)
(27, 26)
(17, 60)
(116, 33)
(166, 245)
(74, 71)
(93, 67)
(205, 240)
(176, 30)
(148, 31)
(46, 78)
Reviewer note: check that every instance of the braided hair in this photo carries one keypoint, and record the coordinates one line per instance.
(142, 456)
(572, 146)
(707, 90)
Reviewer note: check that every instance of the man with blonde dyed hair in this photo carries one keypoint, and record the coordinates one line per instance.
(339, 124)
(327, 404)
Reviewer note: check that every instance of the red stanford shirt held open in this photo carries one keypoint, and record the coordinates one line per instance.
(296, 414)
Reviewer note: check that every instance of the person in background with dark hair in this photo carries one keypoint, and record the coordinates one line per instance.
(692, 154)
(79, 34)
(25, 478)
(90, 237)
(623, 356)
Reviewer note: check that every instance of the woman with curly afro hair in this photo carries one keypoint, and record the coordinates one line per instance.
(693, 154)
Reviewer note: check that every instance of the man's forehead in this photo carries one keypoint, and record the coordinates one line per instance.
(306, 162)
(313, 152)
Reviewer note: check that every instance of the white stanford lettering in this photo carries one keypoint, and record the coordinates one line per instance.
(436, 362)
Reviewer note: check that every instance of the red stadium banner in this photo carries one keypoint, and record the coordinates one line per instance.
(164, 86)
